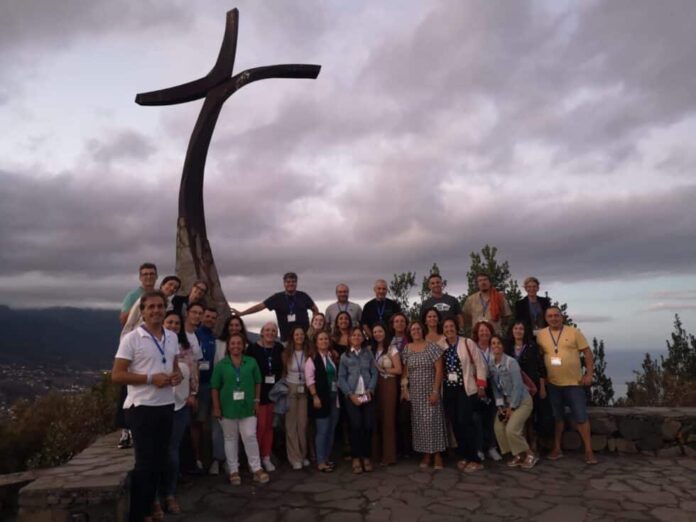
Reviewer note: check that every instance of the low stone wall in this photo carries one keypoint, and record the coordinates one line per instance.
(663, 432)
(92, 486)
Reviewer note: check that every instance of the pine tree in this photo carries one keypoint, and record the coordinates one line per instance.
(602, 390)
(681, 353)
(648, 389)
(400, 288)
(499, 273)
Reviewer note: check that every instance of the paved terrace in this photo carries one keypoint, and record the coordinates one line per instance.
(622, 487)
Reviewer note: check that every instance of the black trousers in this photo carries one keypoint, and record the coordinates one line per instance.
(362, 421)
(151, 427)
(459, 409)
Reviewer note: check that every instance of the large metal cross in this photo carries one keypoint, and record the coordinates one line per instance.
(194, 257)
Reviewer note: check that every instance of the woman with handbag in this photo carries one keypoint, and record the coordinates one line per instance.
(464, 383)
(514, 406)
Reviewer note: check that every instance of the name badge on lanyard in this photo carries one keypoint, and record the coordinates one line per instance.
(334, 387)
(452, 377)
(291, 308)
(300, 388)
(269, 379)
(238, 395)
(555, 359)
(204, 366)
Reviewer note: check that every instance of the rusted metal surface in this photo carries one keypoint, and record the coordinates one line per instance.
(194, 256)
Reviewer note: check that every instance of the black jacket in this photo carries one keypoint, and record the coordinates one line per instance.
(522, 312)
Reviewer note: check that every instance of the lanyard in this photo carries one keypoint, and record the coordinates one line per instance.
(379, 355)
(486, 357)
(380, 313)
(160, 348)
(291, 304)
(519, 356)
(452, 353)
(534, 310)
(554, 340)
(328, 362)
(484, 305)
(269, 359)
(299, 364)
(238, 374)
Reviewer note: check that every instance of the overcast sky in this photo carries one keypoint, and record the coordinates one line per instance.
(561, 132)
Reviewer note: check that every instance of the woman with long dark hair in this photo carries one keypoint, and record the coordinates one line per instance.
(388, 363)
(433, 326)
(294, 357)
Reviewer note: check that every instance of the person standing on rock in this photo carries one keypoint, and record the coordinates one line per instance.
(380, 309)
(488, 304)
(342, 304)
(562, 345)
(289, 306)
(147, 362)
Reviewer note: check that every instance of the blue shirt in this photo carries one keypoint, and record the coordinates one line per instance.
(507, 381)
(207, 341)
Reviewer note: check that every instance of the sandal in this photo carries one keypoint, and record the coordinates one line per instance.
(515, 461)
(556, 456)
(261, 476)
(357, 467)
(425, 463)
(235, 479)
(591, 460)
(473, 467)
(367, 465)
(325, 468)
(530, 461)
(172, 506)
(462, 464)
(157, 513)
(438, 465)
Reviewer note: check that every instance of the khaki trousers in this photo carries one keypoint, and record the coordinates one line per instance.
(296, 425)
(511, 434)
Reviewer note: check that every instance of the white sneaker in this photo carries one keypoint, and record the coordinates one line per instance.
(296, 466)
(481, 456)
(214, 468)
(493, 453)
(267, 464)
(306, 463)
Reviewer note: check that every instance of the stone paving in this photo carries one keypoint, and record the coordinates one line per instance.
(618, 488)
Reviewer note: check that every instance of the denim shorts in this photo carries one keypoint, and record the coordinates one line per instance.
(571, 396)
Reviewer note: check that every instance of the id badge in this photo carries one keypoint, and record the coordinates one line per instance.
(499, 402)
(204, 365)
(270, 379)
(300, 388)
(291, 318)
(536, 332)
(452, 377)
(555, 361)
(238, 396)
(334, 387)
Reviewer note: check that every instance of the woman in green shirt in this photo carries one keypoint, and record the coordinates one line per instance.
(236, 389)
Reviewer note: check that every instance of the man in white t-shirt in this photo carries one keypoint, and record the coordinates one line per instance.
(191, 324)
(146, 362)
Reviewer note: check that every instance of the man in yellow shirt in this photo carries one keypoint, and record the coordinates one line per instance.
(561, 345)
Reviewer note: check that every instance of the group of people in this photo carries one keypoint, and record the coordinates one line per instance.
(384, 384)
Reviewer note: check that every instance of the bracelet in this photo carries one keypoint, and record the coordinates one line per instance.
(149, 378)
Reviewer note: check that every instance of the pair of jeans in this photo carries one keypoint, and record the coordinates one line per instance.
(459, 410)
(362, 420)
(151, 427)
(182, 420)
(326, 429)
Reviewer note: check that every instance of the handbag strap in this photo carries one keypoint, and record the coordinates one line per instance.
(471, 359)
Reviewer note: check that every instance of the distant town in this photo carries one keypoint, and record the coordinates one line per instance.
(28, 381)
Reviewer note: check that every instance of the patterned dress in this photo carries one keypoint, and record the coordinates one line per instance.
(428, 421)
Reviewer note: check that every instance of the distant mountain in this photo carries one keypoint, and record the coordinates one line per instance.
(81, 338)
(76, 337)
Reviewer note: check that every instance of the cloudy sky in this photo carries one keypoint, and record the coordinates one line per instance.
(561, 132)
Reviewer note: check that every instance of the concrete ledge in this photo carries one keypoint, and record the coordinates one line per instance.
(91, 486)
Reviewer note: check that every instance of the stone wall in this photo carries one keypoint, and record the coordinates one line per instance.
(93, 486)
(665, 432)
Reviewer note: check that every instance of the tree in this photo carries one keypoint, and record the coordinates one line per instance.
(400, 289)
(671, 381)
(602, 390)
(499, 273)
(681, 353)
